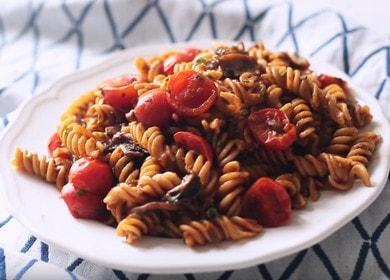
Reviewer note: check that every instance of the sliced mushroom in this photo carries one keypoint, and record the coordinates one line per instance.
(189, 188)
(298, 61)
(234, 64)
(154, 206)
(129, 147)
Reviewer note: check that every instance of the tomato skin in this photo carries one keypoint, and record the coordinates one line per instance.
(272, 128)
(268, 202)
(172, 60)
(120, 93)
(54, 143)
(153, 109)
(82, 204)
(91, 175)
(191, 141)
(326, 80)
(191, 94)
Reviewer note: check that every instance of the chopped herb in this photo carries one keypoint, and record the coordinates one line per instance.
(200, 60)
(80, 193)
(212, 213)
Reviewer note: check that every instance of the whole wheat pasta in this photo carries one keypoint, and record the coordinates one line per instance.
(204, 131)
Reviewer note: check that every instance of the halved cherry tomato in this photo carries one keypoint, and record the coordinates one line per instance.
(326, 80)
(153, 108)
(82, 204)
(191, 94)
(268, 202)
(120, 93)
(272, 128)
(173, 59)
(54, 143)
(191, 141)
(91, 175)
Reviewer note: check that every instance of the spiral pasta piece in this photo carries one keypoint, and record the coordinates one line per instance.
(231, 188)
(48, 169)
(339, 169)
(134, 226)
(223, 228)
(120, 199)
(361, 115)
(310, 166)
(192, 162)
(150, 167)
(123, 167)
(148, 70)
(272, 96)
(77, 109)
(227, 149)
(360, 154)
(337, 107)
(158, 185)
(79, 141)
(100, 116)
(150, 138)
(292, 184)
(249, 96)
(276, 158)
(303, 119)
(143, 87)
(291, 79)
(342, 140)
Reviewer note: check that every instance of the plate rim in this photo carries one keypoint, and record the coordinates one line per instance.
(28, 107)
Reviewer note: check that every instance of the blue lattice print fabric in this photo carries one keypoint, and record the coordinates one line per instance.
(40, 41)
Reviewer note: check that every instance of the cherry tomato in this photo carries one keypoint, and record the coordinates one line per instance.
(191, 94)
(268, 202)
(326, 80)
(172, 60)
(272, 128)
(82, 204)
(91, 175)
(120, 93)
(153, 108)
(54, 143)
(191, 141)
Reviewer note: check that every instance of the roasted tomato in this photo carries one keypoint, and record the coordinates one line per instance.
(91, 175)
(173, 59)
(272, 128)
(82, 204)
(191, 94)
(326, 80)
(120, 93)
(153, 108)
(54, 143)
(268, 202)
(191, 141)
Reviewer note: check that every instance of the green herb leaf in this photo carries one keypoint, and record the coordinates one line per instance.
(199, 61)
(212, 213)
(80, 193)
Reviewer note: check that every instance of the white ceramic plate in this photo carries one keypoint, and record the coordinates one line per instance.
(38, 207)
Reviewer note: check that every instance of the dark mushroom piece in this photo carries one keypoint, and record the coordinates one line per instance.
(188, 189)
(234, 64)
(155, 206)
(129, 147)
(298, 61)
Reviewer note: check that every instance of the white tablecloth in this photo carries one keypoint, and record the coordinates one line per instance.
(40, 41)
